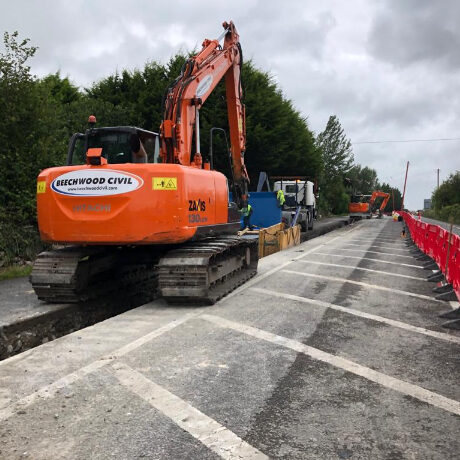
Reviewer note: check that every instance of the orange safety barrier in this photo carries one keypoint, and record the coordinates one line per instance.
(433, 240)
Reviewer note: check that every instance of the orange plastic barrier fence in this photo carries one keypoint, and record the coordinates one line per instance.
(433, 240)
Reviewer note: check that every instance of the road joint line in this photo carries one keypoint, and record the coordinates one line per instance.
(372, 252)
(392, 383)
(381, 319)
(366, 285)
(257, 278)
(364, 269)
(369, 258)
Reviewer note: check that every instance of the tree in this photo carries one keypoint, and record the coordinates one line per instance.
(448, 193)
(60, 89)
(337, 155)
(20, 107)
(336, 149)
(363, 180)
(446, 200)
(395, 194)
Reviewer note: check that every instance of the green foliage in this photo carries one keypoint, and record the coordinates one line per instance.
(446, 214)
(395, 194)
(448, 193)
(336, 149)
(363, 180)
(337, 156)
(20, 109)
(15, 271)
(446, 200)
(140, 93)
(60, 90)
(278, 138)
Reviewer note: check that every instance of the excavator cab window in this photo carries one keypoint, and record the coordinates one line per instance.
(117, 146)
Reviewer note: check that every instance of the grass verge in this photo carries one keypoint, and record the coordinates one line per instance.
(15, 271)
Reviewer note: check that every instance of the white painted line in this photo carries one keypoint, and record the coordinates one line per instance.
(409, 389)
(454, 304)
(374, 246)
(366, 285)
(368, 258)
(377, 240)
(379, 243)
(361, 314)
(51, 390)
(363, 269)
(208, 431)
(257, 278)
(372, 252)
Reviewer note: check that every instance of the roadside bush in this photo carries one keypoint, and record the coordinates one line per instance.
(445, 214)
(18, 242)
(450, 212)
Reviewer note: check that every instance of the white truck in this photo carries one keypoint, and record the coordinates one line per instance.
(300, 201)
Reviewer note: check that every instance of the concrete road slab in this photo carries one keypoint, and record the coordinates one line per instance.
(258, 375)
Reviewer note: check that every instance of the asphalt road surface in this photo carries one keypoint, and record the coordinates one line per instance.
(334, 351)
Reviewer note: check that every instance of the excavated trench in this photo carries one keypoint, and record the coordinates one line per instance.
(63, 319)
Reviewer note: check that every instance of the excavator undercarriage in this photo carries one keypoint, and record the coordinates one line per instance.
(195, 272)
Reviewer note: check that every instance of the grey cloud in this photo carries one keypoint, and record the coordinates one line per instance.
(409, 32)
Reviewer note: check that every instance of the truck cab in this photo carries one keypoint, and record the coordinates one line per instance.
(300, 201)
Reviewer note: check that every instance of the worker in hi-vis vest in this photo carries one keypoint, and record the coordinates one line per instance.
(246, 212)
(280, 198)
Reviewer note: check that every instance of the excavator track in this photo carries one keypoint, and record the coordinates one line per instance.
(77, 274)
(204, 271)
(197, 272)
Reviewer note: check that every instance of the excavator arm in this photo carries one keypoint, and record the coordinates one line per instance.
(375, 195)
(187, 94)
(384, 202)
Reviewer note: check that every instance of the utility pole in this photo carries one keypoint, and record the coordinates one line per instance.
(438, 178)
(404, 192)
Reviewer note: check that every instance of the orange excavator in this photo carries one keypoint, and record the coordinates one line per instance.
(132, 215)
(376, 194)
(361, 205)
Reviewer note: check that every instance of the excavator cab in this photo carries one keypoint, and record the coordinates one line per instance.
(120, 144)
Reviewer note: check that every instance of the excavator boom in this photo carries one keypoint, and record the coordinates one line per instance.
(187, 94)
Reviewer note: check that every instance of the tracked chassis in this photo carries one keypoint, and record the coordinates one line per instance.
(76, 274)
(205, 271)
(197, 272)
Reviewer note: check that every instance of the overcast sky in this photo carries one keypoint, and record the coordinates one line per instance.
(389, 69)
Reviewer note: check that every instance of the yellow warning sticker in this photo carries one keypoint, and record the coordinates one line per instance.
(164, 183)
(41, 186)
